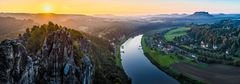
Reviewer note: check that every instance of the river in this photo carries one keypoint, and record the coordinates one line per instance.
(138, 67)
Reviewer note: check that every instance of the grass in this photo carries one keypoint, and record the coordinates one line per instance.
(118, 53)
(164, 62)
(118, 58)
(192, 62)
(162, 59)
(170, 35)
(187, 47)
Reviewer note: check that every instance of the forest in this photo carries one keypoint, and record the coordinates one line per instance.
(215, 43)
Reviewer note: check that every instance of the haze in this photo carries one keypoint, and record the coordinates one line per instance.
(119, 7)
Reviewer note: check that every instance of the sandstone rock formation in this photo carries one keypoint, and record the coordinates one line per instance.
(53, 64)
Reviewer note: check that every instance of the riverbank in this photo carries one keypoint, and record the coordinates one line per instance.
(118, 50)
(164, 62)
(127, 36)
(183, 65)
(138, 67)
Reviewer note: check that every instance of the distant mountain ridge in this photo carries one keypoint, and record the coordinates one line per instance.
(201, 14)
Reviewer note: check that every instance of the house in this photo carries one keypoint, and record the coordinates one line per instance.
(214, 47)
(160, 42)
(193, 56)
(169, 47)
(226, 52)
(202, 44)
(206, 45)
(112, 44)
(165, 50)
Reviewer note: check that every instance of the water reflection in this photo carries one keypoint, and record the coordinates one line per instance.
(138, 67)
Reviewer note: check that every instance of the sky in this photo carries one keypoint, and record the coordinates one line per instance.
(119, 7)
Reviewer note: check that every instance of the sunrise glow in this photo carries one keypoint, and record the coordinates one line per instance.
(47, 8)
(119, 7)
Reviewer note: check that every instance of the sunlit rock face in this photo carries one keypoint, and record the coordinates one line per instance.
(53, 64)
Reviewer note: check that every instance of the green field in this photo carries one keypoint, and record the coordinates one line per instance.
(118, 58)
(118, 54)
(170, 35)
(162, 59)
(184, 68)
(187, 47)
(165, 62)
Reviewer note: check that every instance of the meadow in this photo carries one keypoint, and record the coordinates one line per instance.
(170, 35)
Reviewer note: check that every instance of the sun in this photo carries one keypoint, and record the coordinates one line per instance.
(47, 8)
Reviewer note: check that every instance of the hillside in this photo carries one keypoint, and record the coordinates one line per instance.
(10, 27)
(197, 54)
(215, 43)
(104, 28)
(51, 53)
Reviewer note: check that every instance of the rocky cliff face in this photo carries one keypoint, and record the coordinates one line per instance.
(54, 63)
(52, 54)
(13, 61)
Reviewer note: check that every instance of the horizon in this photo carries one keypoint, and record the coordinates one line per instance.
(120, 41)
(114, 14)
(120, 8)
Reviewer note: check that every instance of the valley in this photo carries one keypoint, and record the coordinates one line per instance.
(138, 67)
(73, 48)
(54, 54)
(181, 55)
